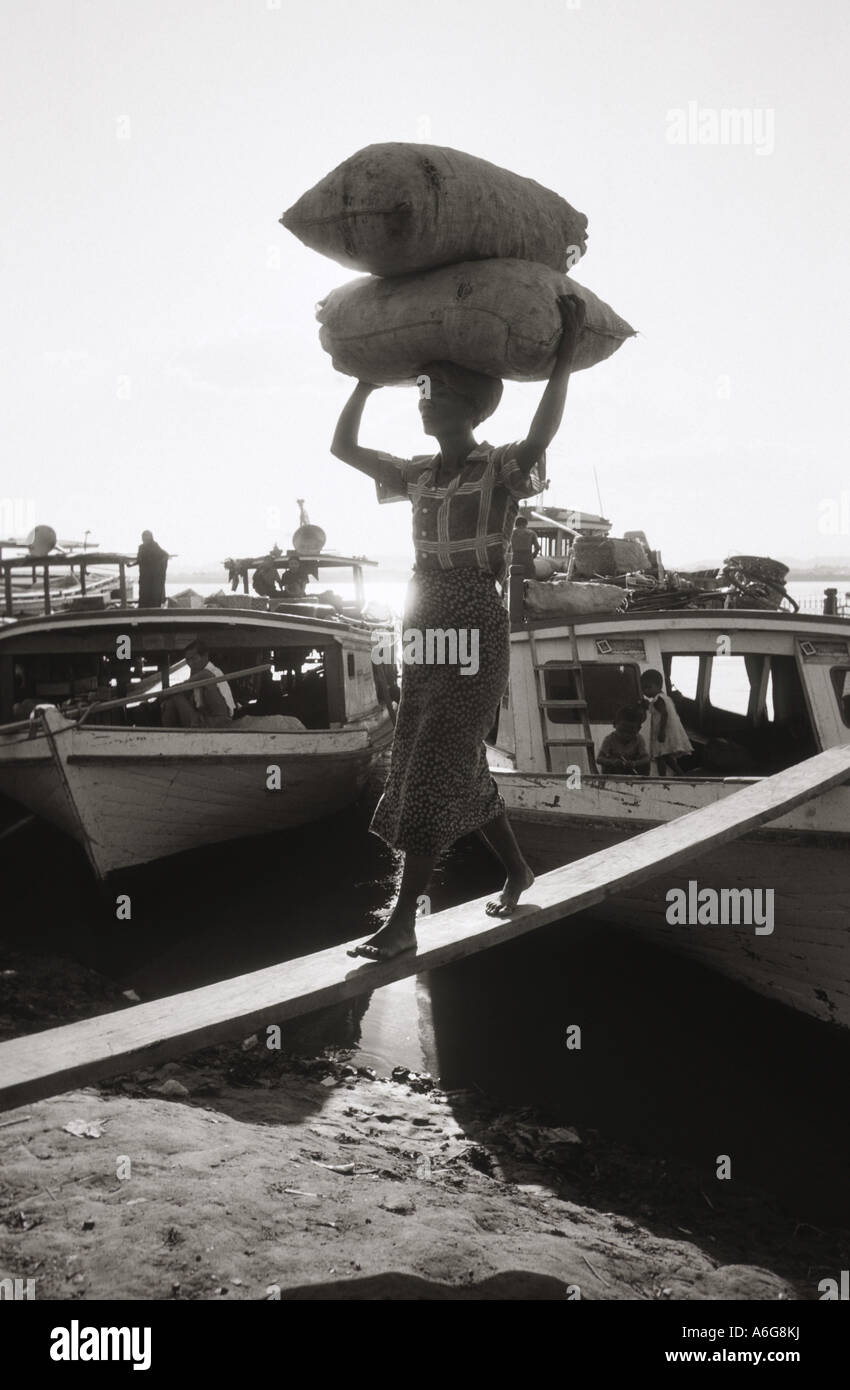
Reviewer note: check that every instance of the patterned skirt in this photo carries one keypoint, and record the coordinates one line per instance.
(439, 786)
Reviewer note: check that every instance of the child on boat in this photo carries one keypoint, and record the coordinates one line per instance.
(624, 750)
(662, 729)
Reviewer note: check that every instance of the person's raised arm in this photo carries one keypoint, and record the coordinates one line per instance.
(344, 445)
(549, 413)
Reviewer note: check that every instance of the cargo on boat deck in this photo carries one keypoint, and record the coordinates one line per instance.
(566, 596)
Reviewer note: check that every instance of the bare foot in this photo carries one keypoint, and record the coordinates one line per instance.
(515, 884)
(398, 934)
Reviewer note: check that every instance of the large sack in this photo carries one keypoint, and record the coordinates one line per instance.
(591, 556)
(394, 209)
(498, 317)
(564, 596)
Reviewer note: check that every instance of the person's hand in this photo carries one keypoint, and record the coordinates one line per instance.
(368, 386)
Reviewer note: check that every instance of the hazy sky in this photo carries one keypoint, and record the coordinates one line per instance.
(160, 355)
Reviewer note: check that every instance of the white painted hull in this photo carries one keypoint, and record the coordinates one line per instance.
(803, 856)
(131, 796)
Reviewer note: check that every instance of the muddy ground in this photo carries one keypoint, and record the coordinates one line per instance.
(244, 1172)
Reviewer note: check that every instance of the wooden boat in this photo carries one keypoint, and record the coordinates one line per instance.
(44, 575)
(313, 716)
(757, 691)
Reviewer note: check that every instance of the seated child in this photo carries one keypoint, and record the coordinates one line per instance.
(662, 729)
(624, 750)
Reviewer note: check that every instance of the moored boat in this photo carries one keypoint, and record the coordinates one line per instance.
(757, 690)
(82, 742)
(44, 575)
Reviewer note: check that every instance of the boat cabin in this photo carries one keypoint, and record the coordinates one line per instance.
(756, 692)
(317, 671)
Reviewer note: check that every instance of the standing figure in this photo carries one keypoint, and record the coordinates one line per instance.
(525, 546)
(465, 502)
(663, 730)
(153, 563)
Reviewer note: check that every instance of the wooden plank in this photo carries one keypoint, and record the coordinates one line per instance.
(54, 1061)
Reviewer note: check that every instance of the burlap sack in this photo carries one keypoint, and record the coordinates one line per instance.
(500, 317)
(564, 596)
(395, 209)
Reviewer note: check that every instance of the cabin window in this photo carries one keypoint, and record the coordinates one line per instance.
(683, 675)
(607, 687)
(742, 685)
(303, 681)
(745, 714)
(841, 685)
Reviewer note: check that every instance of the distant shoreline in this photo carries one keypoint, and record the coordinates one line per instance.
(839, 574)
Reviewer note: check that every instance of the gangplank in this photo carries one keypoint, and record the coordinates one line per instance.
(59, 1059)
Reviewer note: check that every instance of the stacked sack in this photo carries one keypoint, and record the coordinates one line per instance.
(466, 262)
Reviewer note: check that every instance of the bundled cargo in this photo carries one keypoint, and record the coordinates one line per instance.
(499, 317)
(394, 209)
(592, 557)
(566, 596)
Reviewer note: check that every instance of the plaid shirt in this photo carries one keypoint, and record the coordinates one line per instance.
(470, 520)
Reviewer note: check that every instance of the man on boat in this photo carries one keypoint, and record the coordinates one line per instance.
(208, 707)
(265, 581)
(153, 563)
(525, 546)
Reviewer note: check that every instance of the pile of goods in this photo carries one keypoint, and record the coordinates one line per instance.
(754, 581)
(465, 264)
(744, 581)
(599, 574)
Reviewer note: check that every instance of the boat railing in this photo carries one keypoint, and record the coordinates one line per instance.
(82, 560)
(829, 606)
(79, 716)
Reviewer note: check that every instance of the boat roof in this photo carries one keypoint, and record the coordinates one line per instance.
(715, 618)
(80, 557)
(192, 620)
(324, 558)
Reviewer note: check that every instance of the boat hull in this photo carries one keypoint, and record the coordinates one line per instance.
(134, 796)
(804, 858)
